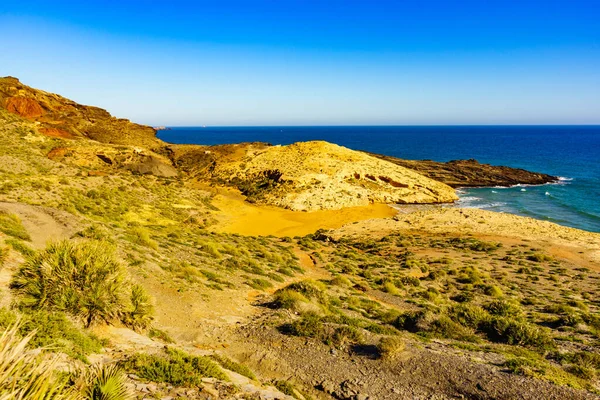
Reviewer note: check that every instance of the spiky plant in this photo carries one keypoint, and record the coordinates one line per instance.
(103, 382)
(80, 278)
(140, 315)
(25, 374)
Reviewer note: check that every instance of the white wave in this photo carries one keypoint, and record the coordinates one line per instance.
(547, 193)
(564, 179)
(523, 190)
(492, 205)
(493, 191)
(468, 199)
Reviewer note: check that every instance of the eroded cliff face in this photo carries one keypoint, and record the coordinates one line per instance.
(57, 116)
(311, 176)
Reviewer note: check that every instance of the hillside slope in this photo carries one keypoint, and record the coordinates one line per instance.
(60, 117)
(318, 175)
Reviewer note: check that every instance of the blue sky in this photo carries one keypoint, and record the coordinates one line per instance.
(308, 62)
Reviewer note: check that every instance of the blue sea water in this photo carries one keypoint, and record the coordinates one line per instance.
(570, 152)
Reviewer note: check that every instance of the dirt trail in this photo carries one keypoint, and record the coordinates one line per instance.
(43, 224)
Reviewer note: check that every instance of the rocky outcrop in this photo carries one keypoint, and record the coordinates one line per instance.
(60, 117)
(471, 173)
(318, 175)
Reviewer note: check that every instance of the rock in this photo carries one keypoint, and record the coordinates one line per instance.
(471, 173)
(154, 166)
(24, 107)
(310, 176)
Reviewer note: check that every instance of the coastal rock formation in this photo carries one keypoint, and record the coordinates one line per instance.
(60, 117)
(471, 173)
(317, 175)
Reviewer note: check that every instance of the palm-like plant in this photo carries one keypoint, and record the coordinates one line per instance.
(103, 382)
(80, 278)
(24, 374)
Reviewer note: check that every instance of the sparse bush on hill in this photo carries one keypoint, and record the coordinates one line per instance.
(52, 329)
(3, 254)
(82, 279)
(390, 347)
(174, 367)
(19, 246)
(11, 225)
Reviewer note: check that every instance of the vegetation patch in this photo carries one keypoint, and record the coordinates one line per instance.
(173, 366)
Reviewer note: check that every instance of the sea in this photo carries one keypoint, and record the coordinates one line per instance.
(571, 153)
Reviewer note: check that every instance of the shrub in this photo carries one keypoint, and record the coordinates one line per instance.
(309, 325)
(523, 366)
(469, 315)
(141, 236)
(517, 332)
(83, 279)
(53, 329)
(25, 375)
(3, 254)
(309, 289)
(537, 257)
(503, 308)
(139, 316)
(10, 224)
(390, 347)
(103, 382)
(155, 333)
(288, 299)
(174, 367)
(234, 366)
(20, 247)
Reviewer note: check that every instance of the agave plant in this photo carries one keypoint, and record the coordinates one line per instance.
(25, 374)
(103, 382)
(140, 315)
(83, 279)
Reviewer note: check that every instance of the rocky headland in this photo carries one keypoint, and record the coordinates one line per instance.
(471, 173)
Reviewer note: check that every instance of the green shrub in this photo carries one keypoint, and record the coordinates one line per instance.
(309, 289)
(25, 375)
(286, 388)
(53, 329)
(174, 367)
(82, 279)
(103, 382)
(390, 347)
(141, 236)
(537, 257)
(309, 325)
(523, 366)
(140, 314)
(21, 247)
(288, 299)
(469, 315)
(234, 366)
(518, 332)
(155, 333)
(259, 284)
(504, 308)
(3, 254)
(10, 224)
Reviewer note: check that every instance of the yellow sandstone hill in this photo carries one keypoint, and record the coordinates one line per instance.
(317, 175)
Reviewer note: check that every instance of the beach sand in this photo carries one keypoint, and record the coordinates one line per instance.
(237, 216)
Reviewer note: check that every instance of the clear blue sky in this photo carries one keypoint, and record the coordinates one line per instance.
(345, 62)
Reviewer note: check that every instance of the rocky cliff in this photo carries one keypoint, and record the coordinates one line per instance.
(60, 117)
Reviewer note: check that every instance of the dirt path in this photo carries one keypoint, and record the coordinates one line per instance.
(43, 224)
